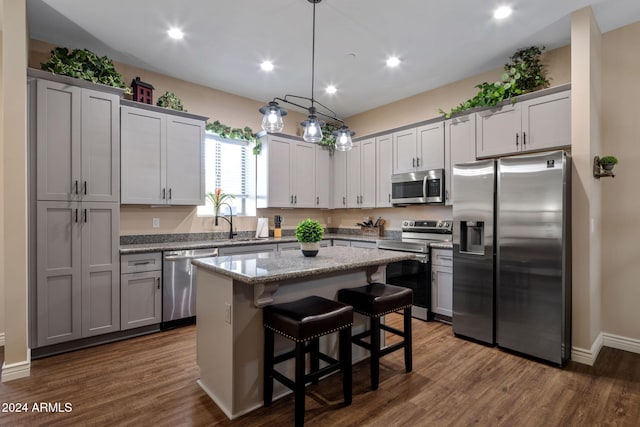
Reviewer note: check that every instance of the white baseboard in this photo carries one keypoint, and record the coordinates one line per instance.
(621, 343)
(587, 356)
(18, 370)
(1, 339)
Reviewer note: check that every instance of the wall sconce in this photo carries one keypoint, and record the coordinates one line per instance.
(603, 167)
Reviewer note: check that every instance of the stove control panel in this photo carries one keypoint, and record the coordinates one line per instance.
(427, 226)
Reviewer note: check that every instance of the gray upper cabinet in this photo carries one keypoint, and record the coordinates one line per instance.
(460, 147)
(535, 124)
(384, 170)
(323, 177)
(77, 137)
(78, 281)
(162, 157)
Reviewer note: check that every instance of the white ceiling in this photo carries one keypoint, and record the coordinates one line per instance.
(439, 41)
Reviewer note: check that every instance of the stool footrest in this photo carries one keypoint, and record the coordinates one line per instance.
(391, 348)
(392, 330)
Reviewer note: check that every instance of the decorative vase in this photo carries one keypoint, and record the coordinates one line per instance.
(310, 248)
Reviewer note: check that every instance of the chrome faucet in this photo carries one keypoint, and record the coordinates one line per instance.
(229, 220)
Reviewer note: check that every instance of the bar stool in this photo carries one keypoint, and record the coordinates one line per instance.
(376, 300)
(304, 321)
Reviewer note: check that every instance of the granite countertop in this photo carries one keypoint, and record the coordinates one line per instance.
(202, 244)
(442, 245)
(265, 267)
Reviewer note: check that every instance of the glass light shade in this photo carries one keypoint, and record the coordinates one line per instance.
(343, 139)
(312, 129)
(272, 119)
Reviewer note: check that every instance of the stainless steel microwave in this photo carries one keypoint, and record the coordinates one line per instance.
(425, 187)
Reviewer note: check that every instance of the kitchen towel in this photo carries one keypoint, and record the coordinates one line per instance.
(262, 229)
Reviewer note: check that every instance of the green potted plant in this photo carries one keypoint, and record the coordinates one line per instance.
(309, 233)
(607, 162)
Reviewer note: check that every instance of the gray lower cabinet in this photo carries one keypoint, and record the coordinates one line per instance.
(140, 290)
(442, 281)
(249, 249)
(295, 246)
(78, 290)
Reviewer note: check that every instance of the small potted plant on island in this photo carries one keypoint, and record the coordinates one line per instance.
(608, 162)
(309, 233)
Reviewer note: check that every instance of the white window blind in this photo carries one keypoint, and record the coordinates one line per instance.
(229, 166)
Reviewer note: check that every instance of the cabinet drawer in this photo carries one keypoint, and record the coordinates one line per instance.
(136, 263)
(443, 257)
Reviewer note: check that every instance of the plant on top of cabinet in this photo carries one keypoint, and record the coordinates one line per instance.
(170, 100)
(524, 74)
(86, 65)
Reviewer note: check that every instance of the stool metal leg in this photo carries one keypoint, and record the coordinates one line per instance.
(268, 366)
(299, 384)
(408, 362)
(375, 352)
(345, 361)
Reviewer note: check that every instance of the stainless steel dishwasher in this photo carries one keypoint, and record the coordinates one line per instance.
(179, 285)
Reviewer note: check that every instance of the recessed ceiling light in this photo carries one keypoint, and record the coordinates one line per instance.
(266, 65)
(502, 12)
(175, 33)
(393, 61)
(331, 89)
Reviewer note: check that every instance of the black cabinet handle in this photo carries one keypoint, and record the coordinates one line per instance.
(389, 197)
(413, 161)
(317, 200)
(295, 200)
(418, 161)
(292, 199)
(344, 200)
(85, 215)
(76, 215)
(517, 138)
(163, 194)
(524, 138)
(76, 186)
(169, 194)
(158, 283)
(84, 187)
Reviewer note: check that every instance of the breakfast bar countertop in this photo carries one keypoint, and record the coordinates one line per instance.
(265, 267)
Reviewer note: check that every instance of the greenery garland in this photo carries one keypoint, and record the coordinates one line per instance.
(525, 73)
(245, 134)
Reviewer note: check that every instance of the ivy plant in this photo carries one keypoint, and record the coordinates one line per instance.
(245, 134)
(525, 73)
(86, 65)
(170, 100)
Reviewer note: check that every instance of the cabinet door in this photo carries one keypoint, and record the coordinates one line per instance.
(100, 147)
(59, 303)
(340, 179)
(384, 169)
(303, 175)
(354, 190)
(100, 268)
(460, 147)
(442, 290)
(368, 173)
(546, 122)
(185, 161)
(279, 173)
(141, 299)
(323, 177)
(498, 131)
(404, 151)
(430, 154)
(143, 151)
(58, 141)
(249, 249)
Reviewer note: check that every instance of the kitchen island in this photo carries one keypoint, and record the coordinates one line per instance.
(231, 291)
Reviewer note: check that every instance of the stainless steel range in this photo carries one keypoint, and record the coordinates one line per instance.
(417, 236)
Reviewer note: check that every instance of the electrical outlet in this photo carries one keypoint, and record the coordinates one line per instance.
(156, 222)
(328, 220)
(227, 312)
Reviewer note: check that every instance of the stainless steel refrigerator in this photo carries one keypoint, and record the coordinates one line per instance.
(512, 253)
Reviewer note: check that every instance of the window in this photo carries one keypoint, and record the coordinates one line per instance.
(229, 164)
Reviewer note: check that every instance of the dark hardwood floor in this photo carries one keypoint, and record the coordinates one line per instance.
(151, 381)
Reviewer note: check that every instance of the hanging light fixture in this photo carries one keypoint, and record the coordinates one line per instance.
(273, 113)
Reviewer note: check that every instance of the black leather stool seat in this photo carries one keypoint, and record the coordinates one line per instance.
(376, 300)
(307, 318)
(304, 321)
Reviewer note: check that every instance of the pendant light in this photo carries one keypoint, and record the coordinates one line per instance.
(273, 113)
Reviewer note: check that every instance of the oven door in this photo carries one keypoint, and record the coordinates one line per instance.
(414, 274)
